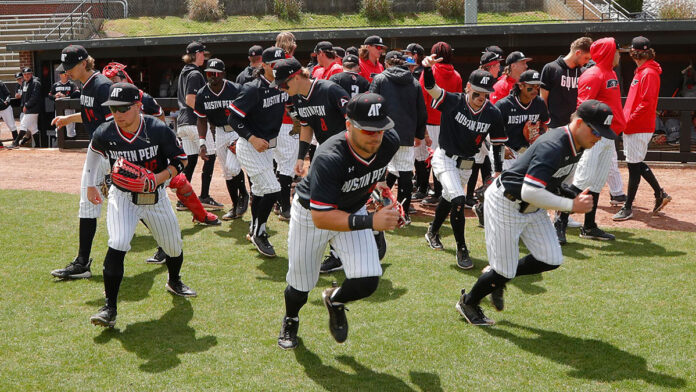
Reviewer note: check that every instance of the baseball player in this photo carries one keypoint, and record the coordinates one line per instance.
(254, 62)
(415, 51)
(350, 79)
(640, 111)
(64, 89)
(467, 119)
(116, 72)
(328, 64)
(448, 79)
(257, 115)
(212, 106)
(369, 54)
(600, 83)
(191, 80)
(405, 103)
(6, 110)
(516, 205)
(329, 207)
(31, 107)
(79, 65)
(515, 64)
(152, 156)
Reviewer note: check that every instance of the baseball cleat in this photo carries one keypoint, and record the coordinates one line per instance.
(661, 201)
(338, 324)
(284, 214)
(596, 233)
(560, 231)
(463, 259)
(497, 298)
(158, 258)
(623, 214)
(478, 211)
(617, 200)
(431, 201)
(473, 314)
(210, 220)
(242, 205)
(262, 244)
(210, 203)
(180, 289)
(231, 214)
(287, 340)
(330, 264)
(469, 202)
(180, 206)
(573, 224)
(77, 269)
(433, 239)
(418, 195)
(106, 317)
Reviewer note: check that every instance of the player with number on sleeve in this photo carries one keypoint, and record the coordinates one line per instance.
(350, 79)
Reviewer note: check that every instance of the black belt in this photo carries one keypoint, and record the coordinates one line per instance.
(304, 203)
(523, 204)
(461, 159)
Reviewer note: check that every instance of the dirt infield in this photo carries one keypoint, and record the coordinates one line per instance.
(53, 170)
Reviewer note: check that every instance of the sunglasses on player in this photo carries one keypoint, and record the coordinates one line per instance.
(120, 109)
(371, 133)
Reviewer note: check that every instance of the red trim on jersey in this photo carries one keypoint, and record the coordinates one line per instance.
(224, 83)
(311, 89)
(97, 151)
(437, 101)
(535, 180)
(124, 134)
(570, 138)
(237, 110)
(322, 206)
(201, 115)
(109, 116)
(89, 79)
(356, 156)
(472, 109)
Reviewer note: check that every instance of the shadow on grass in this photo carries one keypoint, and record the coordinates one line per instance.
(626, 244)
(133, 288)
(385, 290)
(361, 378)
(591, 359)
(160, 342)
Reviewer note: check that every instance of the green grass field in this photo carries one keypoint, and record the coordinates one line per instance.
(171, 25)
(615, 316)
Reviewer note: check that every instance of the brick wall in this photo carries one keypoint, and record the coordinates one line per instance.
(26, 59)
(28, 9)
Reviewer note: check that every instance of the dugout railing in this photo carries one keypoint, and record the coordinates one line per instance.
(684, 106)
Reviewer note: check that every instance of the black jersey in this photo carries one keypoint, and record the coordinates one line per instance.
(246, 76)
(515, 116)
(31, 96)
(340, 179)
(323, 109)
(546, 164)
(150, 105)
(5, 95)
(562, 84)
(68, 89)
(95, 91)
(352, 82)
(216, 107)
(259, 108)
(462, 129)
(153, 146)
(190, 81)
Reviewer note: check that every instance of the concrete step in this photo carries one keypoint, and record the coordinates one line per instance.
(20, 17)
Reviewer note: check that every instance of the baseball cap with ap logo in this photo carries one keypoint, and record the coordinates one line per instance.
(368, 111)
(122, 94)
(72, 55)
(598, 116)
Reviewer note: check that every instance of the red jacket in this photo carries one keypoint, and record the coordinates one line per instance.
(600, 82)
(367, 69)
(321, 72)
(641, 104)
(449, 80)
(502, 88)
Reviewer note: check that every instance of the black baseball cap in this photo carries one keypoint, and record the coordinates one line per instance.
(352, 50)
(375, 40)
(255, 50)
(394, 54)
(415, 49)
(515, 57)
(195, 47)
(340, 52)
(18, 75)
(598, 116)
(60, 69)
(27, 70)
(351, 58)
(272, 54)
(323, 46)
(530, 76)
(482, 81)
(122, 94)
(285, 69)
(368, 111)
(72, 55)
(640, 43)
(490, 57)
(494, 49)
(215, 65)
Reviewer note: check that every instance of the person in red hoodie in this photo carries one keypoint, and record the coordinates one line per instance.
(329, 64)
(601, 83)
(640, 110)
(449, 80)
(515, 64)
(369, 54)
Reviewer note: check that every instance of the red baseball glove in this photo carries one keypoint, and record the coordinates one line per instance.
(131, 177)
(532, 131)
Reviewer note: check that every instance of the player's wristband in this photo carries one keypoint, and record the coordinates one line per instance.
(359, 222)
(428, 78)
(201, 142)
(304, 148)
(498, 157)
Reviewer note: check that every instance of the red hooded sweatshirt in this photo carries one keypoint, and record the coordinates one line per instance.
(367, 69)
(641, 103)
(449, 80)
(502, 88)
(600, 82)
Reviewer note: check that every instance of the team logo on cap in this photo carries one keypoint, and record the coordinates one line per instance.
(374, 110)
(213, 63)
(274, 73)
(279, 53)
(536, 75)
(63, 56)
(116, 92)
(485, 79)
(608, 120)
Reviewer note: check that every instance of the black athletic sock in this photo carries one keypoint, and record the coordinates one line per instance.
(190, 166)
(437, 187)
(650, 178)
(14, 134)
(441, 212)
(312, 150)
(391, 179)
(20, 136)
(232, 191)
(634, 170)
(241, 184)
(473, 180)
(174, 267)
(113, 274)
(255, 201)
(88, 227)
(207, 176)
(528, 265)
(486, 283)
(405, 189)
(486, 169)
(294, 301)
(264, 210)
(421, 176)
(457, 221)
(284, 195)
(590, 216)
(355, 289)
